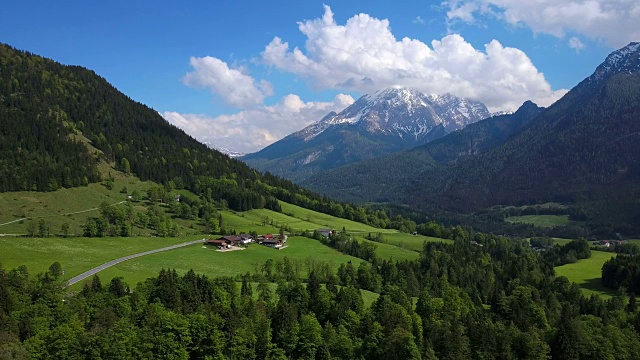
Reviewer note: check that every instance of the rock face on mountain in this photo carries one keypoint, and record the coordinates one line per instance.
(581, 150)
(384, 122)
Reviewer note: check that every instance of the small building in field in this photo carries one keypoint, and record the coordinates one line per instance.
(605, 243)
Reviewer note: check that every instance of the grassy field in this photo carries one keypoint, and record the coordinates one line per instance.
(76, 255)
(206, 260)
(587, 273)
(80, 203)
(74, 206)
(369, 297)
(411, 242)
(543, 220)
(265, 220)
(321, 220)
(391, 252)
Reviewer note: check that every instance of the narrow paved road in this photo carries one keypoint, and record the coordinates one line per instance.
(95, 270)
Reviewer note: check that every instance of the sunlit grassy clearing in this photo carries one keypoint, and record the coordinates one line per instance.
(542, 220)
(587, 273)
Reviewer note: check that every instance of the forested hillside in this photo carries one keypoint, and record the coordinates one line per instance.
(581, 151)
(58, 123)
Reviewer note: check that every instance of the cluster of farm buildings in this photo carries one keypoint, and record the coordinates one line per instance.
(229, 241)
(274, 241)
(608, 243)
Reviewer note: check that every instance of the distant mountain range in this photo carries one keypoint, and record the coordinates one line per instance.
(581, 150)
(377, 124)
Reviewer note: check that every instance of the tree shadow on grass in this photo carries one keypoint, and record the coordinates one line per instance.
(596, 285)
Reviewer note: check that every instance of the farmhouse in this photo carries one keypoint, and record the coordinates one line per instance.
(245, 239)
(232, 240)
(225, 242)
(264, 237)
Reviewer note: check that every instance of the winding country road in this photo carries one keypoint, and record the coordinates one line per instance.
(95, 270)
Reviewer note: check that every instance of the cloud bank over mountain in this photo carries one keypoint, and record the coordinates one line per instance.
(251, 130)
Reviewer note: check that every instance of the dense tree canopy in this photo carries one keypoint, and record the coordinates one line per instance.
(458, 301)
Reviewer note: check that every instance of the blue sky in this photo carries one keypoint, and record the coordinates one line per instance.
(221, 70)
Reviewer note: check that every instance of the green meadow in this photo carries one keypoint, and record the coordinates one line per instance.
(543, 220)
(72, 206)
(321, 220)
(391, 252)
(76, 255)
(206, 260)
(587, 273)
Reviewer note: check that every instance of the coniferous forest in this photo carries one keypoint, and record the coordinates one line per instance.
(490, 299)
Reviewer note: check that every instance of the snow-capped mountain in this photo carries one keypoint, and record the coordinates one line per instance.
(500, 113)
(229, 153)
(377, 124)
(624, 60)
(403, 112)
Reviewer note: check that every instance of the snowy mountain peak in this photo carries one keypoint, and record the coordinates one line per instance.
(229, 153)
(398, 94)
(403, 112)
(624, 60)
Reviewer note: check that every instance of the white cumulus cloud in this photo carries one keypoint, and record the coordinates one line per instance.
(251, 130)
(576, 44)
(232, 85)
(612, 21)
(365, 56)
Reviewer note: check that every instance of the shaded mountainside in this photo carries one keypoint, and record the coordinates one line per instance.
(58, 123)
(378, 124)
(581, 150)
(373, 180)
